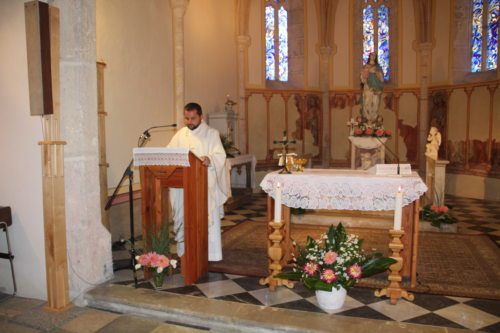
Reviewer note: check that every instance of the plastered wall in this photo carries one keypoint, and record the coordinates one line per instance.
(20, 169)
(134, 39)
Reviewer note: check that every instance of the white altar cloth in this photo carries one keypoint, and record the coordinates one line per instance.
(342, 189)
(238, 178)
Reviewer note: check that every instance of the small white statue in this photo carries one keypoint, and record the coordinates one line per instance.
(228, 106)
(434, 139)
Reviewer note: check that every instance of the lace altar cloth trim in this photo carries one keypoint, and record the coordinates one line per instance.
(161, 156)
(342, 189)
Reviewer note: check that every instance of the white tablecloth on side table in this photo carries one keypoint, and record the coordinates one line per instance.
(236, 179)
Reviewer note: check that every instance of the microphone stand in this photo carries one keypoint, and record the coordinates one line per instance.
(129, 173)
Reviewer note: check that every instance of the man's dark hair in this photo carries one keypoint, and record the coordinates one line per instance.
(193, 106)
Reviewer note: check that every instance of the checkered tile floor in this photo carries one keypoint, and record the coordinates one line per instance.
(255, 211)
(475, 216)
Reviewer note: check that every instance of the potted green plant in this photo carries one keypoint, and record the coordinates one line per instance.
(156, 258)
(229, 147)
(438, 215)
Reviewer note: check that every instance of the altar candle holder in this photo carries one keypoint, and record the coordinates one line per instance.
(394, 290)
(275, 254)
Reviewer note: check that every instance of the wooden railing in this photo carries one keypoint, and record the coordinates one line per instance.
(467, 116)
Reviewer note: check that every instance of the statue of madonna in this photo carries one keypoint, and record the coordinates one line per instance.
(372, 78)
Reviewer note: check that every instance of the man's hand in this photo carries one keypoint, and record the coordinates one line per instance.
(205, 160)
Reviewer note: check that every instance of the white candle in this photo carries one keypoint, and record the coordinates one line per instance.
(277, 203)
(398, 209)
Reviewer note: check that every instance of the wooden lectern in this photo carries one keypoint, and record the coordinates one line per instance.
(193, 179)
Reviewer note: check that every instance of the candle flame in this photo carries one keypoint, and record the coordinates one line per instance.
(278, 184)
(400, 188)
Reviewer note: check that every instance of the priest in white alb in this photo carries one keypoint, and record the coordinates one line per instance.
(205, 143)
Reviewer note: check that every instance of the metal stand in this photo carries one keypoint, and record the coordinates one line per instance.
(129, 174)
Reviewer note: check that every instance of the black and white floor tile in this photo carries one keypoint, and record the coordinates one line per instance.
(254, 211)
(474, 216)
(454, 312)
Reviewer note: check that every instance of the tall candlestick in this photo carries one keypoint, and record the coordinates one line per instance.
(398, 209)
(277, 203)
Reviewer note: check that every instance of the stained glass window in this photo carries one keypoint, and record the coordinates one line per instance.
(383, 40)
(276, 22)
(477, 35)
(270, 63)
(283, 44)
(484, 35)
(376, 34)
(492, 45)
(368, 44)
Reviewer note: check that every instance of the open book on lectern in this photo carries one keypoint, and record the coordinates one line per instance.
(161, 156)
(391, 169)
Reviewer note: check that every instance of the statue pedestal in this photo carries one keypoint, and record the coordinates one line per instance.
(366, 151)
(435, 179)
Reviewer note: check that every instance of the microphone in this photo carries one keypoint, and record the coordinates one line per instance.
(390, 151)
(145, 135)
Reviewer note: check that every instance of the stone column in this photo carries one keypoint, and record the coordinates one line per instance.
(395, 107)
(423, 128)
(179, 9)
(243, 44)
(491, 88)
(325, 53)
(468, 92)
(89, 242)
(326, 15)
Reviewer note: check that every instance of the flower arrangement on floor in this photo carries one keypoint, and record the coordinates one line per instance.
(364, 128)
(335, 261)
(156, 259)
(438, 215)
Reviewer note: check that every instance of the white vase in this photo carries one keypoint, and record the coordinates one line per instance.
(331, 300)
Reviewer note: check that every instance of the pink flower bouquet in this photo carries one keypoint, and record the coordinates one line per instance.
(364, 128)
(438, 215)
(154, 261)
(334, 260)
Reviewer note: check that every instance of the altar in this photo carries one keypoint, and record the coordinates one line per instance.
(353, 190)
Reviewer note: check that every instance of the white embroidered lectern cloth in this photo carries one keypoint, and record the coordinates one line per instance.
(161, 156)
(342, 189)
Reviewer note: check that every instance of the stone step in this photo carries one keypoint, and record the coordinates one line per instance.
(223, 316)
